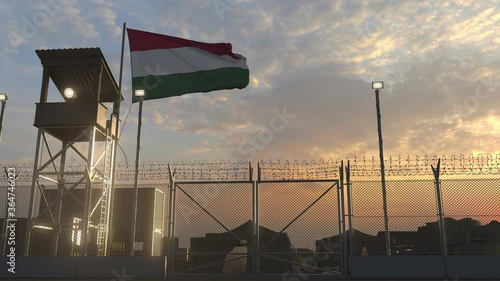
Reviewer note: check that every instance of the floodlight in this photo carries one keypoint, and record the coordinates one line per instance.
(139, 93)
(378, 85)
(69, 93)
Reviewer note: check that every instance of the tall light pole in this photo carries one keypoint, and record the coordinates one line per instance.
(138, 93)
(3, 99)
(377, 85)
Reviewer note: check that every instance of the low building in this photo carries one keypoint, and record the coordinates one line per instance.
(215, 247)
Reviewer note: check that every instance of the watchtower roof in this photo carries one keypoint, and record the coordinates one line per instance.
(79, 69)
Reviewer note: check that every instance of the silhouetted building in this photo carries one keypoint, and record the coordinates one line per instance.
(214, 247)
(486, 239)
(402, 242)
(329, 248)
(458, 236)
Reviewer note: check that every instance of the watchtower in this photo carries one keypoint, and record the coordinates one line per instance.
(82, 126)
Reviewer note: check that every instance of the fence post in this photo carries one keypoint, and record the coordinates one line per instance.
(170, 230)
(342, 225)
(349, 213)
(439, 201)
(255, 223)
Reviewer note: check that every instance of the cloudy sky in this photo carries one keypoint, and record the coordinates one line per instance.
(311, 64)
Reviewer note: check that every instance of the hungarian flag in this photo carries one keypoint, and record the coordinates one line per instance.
(166, 66)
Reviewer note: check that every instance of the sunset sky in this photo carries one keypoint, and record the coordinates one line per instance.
(440, 61)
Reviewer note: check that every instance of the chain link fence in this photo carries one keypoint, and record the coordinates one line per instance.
(213, 231)
(470, 195)
(299, 228)
(471, 217)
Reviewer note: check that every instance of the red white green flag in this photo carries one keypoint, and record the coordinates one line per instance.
(166, 66)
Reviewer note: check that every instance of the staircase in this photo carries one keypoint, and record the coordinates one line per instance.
(103, 228)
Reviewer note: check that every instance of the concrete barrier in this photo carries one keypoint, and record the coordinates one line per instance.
(473, 267)
(40, 267)
(84, 267)
(397, 267)
(119, 267)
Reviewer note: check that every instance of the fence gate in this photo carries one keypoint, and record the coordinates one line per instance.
(256, 228)
(213, 228)
(300, 228)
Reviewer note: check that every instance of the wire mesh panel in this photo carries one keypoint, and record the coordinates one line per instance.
(14, 205)
(472, 216)
(411, 206)
(214, 228)
(298, 227)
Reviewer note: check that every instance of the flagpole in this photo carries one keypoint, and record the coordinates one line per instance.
(136, 190)
(116, 111)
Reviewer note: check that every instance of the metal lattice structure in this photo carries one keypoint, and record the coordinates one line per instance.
(80, 126)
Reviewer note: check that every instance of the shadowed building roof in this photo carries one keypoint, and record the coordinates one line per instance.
(80, 69)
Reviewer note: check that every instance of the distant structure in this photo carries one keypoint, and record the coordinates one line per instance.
(80, 123)
(202, 251)
(465, 237)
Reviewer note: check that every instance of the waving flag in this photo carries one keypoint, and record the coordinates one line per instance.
(167, 66)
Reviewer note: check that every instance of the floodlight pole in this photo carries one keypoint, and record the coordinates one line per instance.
(136, 190)
(382, 175)
(1, 118)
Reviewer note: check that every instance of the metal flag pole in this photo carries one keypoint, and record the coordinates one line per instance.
(116, 111)
(136, 190)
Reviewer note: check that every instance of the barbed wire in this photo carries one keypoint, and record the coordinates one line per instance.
(207, 170)
(399, 166)
(293, 170)
(227, 170)
(212, 170)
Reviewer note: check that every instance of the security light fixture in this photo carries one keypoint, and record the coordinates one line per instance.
(139, 93)
(69, 93)
(378, 85)
(3, 100)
